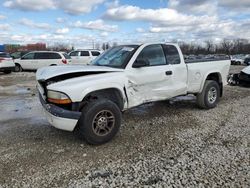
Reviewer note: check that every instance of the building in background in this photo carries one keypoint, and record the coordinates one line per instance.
(17, 47)
(1, 48)
(11, 47)
(37, 46)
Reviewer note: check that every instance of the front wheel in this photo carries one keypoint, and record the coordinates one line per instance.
(210, 95)
(100, 121)
(18, 68)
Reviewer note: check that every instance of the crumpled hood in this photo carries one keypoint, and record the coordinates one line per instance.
(46, 73)
(246, 70)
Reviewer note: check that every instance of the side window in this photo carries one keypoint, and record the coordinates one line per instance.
(84, 53)
(172, 54)
(74, 53)
(28, 56)
(39, 56)
(47, 55)
(153, 54)
(53, 56)
(95, 53)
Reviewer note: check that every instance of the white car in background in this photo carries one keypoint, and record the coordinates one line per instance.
(83, 56)
(237, 59)
(6, 63)
(37, 59)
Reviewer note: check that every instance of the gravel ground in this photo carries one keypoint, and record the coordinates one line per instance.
(170, 143)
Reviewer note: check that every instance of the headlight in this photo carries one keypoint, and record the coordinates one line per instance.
(58, 97)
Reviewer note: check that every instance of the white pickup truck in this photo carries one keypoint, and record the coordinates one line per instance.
(89, 99)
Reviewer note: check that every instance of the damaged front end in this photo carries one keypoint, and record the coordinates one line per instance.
(62, 116)
(59, 88)
(242, 78)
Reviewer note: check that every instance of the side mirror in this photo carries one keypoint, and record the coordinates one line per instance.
(140, 63)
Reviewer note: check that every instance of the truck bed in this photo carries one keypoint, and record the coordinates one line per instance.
(198, 70)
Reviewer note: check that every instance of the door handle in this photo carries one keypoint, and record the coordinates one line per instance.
(168, 73)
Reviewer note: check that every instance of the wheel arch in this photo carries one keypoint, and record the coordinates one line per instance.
(215, 76)
(113, 94)
(18, 64)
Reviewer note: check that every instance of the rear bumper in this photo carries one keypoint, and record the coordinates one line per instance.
(59, 117)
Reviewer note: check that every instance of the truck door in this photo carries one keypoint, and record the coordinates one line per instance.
(149, 76)
(156, 78)
(179, 71)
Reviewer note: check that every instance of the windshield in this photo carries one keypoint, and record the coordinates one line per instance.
(66, 56)
(115, 57)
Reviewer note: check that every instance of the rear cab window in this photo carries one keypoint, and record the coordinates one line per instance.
(172, 54)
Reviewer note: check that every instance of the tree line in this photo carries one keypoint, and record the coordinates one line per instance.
(226, 46)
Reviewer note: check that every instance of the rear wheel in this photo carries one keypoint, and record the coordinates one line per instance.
(209, 97)
(100, 121)
(18, 68)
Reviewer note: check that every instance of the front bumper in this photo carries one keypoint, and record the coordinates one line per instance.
(7, 69)
(59, 117)
(244, 78)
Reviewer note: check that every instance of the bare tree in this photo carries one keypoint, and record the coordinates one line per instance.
(97, 45)
(59, 47)
(227, 46)
(209, 46)
(114, 44)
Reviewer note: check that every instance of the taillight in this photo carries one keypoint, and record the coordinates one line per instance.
(1, 59)
(64, 61)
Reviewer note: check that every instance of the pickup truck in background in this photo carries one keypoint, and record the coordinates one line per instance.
(90, 99)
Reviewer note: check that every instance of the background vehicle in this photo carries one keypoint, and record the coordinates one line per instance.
(242, 78)
(17, 55)
(6, 63)
(237, 59)
(83, 56)
(90, 99)
(247, 60)
(38, 59)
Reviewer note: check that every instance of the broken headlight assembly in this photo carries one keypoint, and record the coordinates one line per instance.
(57, 97)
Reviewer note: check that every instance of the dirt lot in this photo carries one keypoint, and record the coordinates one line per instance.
(170, 143)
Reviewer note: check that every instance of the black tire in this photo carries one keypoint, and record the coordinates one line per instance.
(7, 71)
(18, 68)
(210, 95)
(100, 121)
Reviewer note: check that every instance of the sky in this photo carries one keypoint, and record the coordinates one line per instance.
(81, 23)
